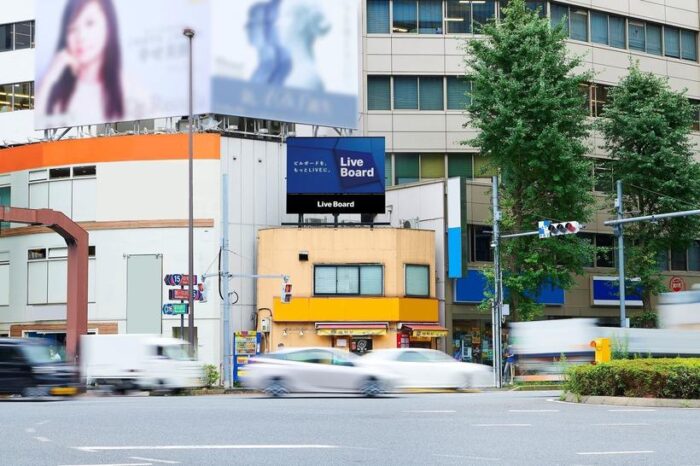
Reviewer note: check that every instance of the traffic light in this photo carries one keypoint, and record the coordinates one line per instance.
(547, 228)
(286, 297)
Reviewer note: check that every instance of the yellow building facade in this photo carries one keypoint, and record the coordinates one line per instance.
(356, 289)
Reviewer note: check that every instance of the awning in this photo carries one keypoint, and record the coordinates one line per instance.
(351, 328)
(425, 330)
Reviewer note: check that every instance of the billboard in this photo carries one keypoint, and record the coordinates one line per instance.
(102, 61)
(335, 175)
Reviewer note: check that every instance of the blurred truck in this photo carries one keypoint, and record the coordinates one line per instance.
(121, 363)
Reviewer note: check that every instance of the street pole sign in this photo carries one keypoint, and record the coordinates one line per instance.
(179, 279)
(184, 294)
(175, 309)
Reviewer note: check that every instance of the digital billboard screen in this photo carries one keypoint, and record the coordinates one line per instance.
(104, 61)
(335, 175)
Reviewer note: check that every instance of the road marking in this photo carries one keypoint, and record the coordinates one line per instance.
(615, 424)
(428, 411)
(631, 410)
(42, 439)
(30, 430)
(154, 460)
(111, 464)
(481, 458)
(42, 423)
(501, 425)
(205, 447)
(533, 410)
(631, 452)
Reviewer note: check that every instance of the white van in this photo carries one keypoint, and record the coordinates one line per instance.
(138, 362)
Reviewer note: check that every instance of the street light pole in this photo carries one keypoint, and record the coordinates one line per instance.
(497, 310)
(620, 254)
(189, 33)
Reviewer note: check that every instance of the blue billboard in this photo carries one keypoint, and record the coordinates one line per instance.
(335, 175)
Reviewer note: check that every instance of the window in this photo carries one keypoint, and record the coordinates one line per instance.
(696, 114)
(602, 175)
(47, 275)
(459, 165)
(694, 256)
(388, 173)
(599, 28)
(349, 280)
(405, 93)
(590, 239)
(689, 45)
(430, 16)
(430, 92)
(417, 280)
(16, 36)
(405, 16)
(55, 173)
(605, 257)
(559, 14)
(637, 39)
(56, 189)
(88, 170)
(377, 16)
(482, 13)
(654, 45)
(679, 259)
(617, 32)
(4, 278)
(378, 93)
(432, 166)
(481, 244)
(5, 200)
(6, 37)
(16, 96)
(579, 24)
(672, 42)
(407, 167)
(599, 97)
(458, 93)
(459, 18)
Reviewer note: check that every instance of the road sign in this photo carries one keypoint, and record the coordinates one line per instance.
(543, 228)
(175, 309)
(676, 284)
(184, 294)
(178, 279)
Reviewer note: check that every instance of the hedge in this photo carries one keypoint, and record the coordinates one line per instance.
(647, 378)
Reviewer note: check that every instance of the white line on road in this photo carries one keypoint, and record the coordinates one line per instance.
(479, 458)
(632, 452)
(533, 410)
(205, 447)
(627, 410)
(30, 430)
(112, 464)
(428, 411)
(42, 439)
(154, 460)
(501, 425)
(42, 422)
(616, 424)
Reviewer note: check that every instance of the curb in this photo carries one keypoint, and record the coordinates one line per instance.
(630, 401)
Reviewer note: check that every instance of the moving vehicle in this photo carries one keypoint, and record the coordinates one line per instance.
(30, 367)
(427, 368)
(121, 363)
(296, 370)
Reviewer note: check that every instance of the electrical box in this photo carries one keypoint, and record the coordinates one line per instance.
(265, 324)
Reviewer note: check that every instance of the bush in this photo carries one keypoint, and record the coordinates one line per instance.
(647, 378)
(211, 375)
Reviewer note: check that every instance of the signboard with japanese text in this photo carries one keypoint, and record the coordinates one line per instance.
(335, 175)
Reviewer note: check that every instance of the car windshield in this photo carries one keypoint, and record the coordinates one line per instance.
(176, 352)
(42, 354)
(437, 356)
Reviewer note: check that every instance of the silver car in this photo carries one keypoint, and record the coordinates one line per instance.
(320, 370)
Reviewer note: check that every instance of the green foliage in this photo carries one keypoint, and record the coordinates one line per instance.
(531, 118)
(646, 129)
(620, 347)
(657, 378)
(211, 375)
(645, 319)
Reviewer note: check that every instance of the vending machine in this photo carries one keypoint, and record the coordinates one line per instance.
(246, 344)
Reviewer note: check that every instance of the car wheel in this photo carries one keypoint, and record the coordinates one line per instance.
(35, 392)
(275, 387)
(371, 387)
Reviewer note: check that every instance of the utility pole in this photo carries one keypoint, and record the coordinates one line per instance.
(227, 379)
(620, 254)
(498, 286)
(189, 33)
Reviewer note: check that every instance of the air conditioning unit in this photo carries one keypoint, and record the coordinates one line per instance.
(410, 223)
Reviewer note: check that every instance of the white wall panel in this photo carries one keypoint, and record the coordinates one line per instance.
(37, 282)
(38, 195)
(425, 64)
(4, 284)
(419, 121)
(84, 199)
(57, 281)
(60, 196)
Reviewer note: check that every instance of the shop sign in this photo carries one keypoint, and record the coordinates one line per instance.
(676, 284)
(326, 332)
(429, 333)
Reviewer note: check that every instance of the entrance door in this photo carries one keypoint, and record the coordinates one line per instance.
(144, 293)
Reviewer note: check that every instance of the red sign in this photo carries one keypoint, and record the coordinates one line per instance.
(676, 284)
(178, 279)
(184, 294)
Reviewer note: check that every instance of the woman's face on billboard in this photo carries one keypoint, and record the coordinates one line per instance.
(87, 34)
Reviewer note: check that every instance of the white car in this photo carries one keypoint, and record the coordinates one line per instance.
(303, 370)
(427, 368)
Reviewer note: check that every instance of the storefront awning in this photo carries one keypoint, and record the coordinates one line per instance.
(351, 328)
(425, 330)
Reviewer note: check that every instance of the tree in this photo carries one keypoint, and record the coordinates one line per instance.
(531, 116)
(646, 129)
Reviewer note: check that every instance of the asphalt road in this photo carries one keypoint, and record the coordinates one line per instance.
(503, 428)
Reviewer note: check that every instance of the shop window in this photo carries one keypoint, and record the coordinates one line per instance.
(378, 93)
(417, 280)
(480, 243)
(407, 167)
(458, 93)
(459, 165)
(405, 14)
(405, 93)
(679, 259)
(348, 280)
(377, 16)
